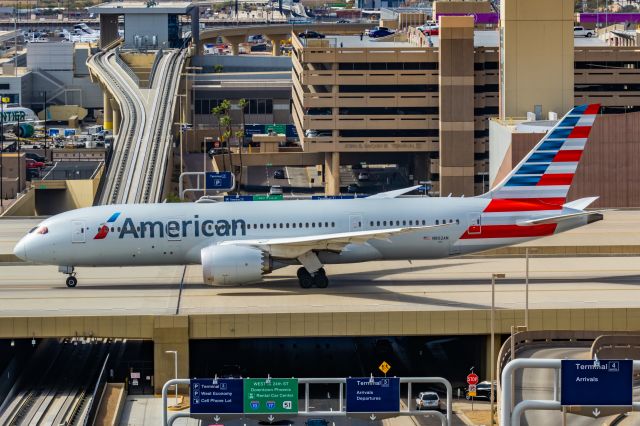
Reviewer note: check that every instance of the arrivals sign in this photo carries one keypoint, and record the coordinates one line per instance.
(216, 396)
(270, 396)
(597, 382)
(373, 395)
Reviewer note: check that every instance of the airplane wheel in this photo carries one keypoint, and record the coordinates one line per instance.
(72, 281)
(304, 278)
(320, 279)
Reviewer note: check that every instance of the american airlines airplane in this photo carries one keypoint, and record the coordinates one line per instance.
(239, 243)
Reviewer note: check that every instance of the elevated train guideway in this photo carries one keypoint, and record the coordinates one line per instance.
(583, 280)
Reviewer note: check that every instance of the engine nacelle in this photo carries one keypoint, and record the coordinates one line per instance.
(233, 265)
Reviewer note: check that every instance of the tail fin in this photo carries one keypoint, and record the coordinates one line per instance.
(545, 174)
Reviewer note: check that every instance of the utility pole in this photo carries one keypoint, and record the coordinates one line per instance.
(45, 125)
(1, 153)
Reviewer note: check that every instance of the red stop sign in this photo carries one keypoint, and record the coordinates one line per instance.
(472, 379)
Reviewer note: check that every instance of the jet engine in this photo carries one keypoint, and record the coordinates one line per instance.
(233, 265)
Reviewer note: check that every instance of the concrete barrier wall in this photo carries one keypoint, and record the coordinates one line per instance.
(23, 206)
(243, 63)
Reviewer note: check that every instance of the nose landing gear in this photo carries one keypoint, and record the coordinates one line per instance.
(71, 281)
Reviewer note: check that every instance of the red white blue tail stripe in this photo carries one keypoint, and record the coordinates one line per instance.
(545, 174)
(537, 186)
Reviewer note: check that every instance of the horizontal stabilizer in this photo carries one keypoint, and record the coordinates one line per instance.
(394, 193)
(592, 217)
(582, 203)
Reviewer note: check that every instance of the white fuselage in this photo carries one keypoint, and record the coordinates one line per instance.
(168, 234)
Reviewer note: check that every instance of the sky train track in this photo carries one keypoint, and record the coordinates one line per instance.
(142, 147)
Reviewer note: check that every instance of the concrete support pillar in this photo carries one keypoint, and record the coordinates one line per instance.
(420, 167)
(275, 42)
(275, 47)
(456, 106)
(108, 111)
(170, 333)
(234, 42)
(116, 116)
(332, 173)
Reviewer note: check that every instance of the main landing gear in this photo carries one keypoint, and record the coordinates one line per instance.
(307, 280)
(312, 273)
(72, 281)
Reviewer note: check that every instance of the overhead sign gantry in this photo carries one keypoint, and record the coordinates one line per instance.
(271, 399)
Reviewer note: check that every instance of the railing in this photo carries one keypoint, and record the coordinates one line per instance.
(94, 405)
(126, 67)
(154, 67)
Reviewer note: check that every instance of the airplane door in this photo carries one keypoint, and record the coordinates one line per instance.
(475, 223)
(355, 222)
(77, 231)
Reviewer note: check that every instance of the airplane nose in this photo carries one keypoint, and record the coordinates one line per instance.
(20, 250)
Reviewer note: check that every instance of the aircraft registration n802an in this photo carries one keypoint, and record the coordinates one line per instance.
(239, 243)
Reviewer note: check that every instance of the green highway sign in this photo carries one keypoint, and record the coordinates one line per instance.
(275, 197)
(278, 128)
(270, 396)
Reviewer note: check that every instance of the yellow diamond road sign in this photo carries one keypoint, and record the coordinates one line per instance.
(384, 367)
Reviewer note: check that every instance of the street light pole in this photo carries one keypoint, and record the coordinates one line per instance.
(493, 339)
(526, 289)
(175, 366)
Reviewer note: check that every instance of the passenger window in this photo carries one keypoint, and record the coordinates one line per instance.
(293, 224)
(287, 225)
(397, 223)
(378, 222)
(404, 223)
(333, 224)
(410, 223)
(261, 226)
(300, 225)
(458, 221)
(268, 225)
(437, 222)
(319, 224)
(384, 223)
(424, 222)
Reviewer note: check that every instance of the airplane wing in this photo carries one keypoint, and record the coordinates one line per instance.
(593, 217)
(292, 247)
(394, 193)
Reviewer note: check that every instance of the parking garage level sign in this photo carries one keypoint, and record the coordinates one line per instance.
(216, 396)
(270, 396)
(220, 181)
(597, 382)
(373, 395)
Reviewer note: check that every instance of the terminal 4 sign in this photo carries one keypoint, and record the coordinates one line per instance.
(270, 396)
(216, 396)
(373, 395)
(597, 382)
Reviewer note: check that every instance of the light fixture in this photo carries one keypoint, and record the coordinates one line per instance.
(13, 343)
(33, 341)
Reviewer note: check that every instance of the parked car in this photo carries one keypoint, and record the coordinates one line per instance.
(483, 391)
(583, 32)
(310, 133)
(275, 190)
(33, 164)
(279, 174)
(368, 31)
(343, 21)
(363, 176)
(428, 401)
(35, 157)
(310, 34)
(33, 173)
(217, 151)
(380, 33)
(430, 29)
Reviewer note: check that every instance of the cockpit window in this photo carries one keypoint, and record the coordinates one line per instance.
(42, 230)
(33, 229)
